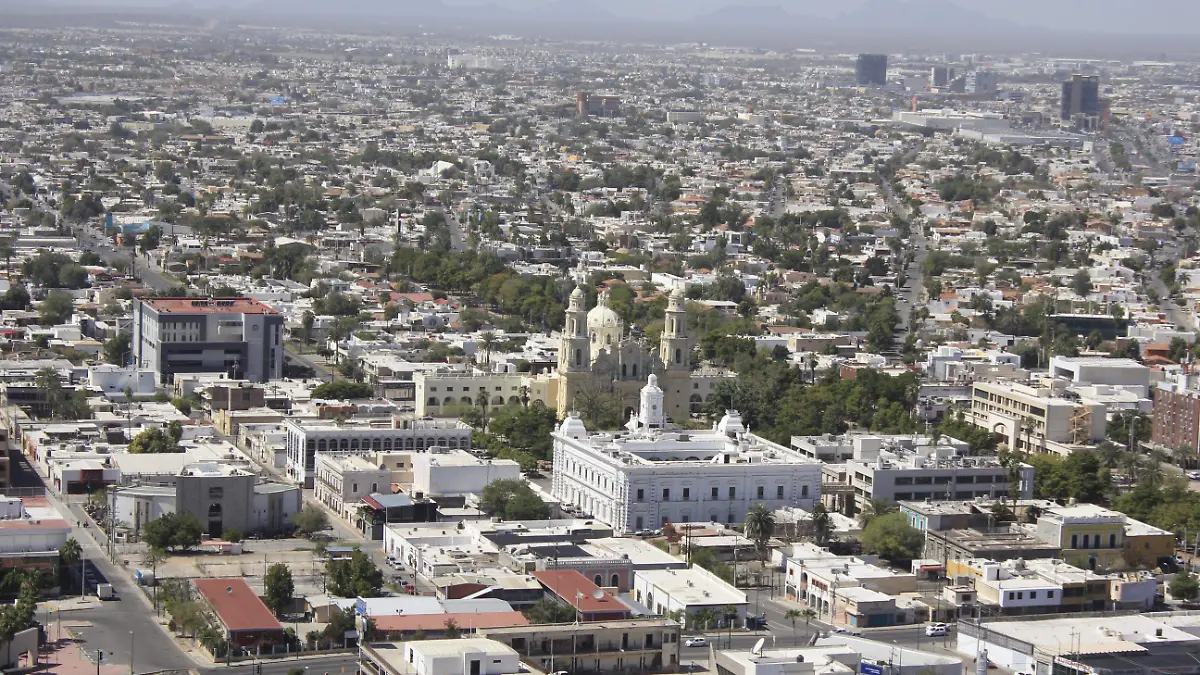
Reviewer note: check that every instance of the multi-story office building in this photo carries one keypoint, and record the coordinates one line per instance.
(871, 69)
(651, 475)
(902, 468)
(304, 440)
(981, 82)
(238, 336)
(1081, 96)
(1036, 419)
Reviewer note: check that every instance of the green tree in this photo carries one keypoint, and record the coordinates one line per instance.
(355, 576)
(116, 350)
(549, 611)
(1081, 283)
(759, 526)
(278, 588)
(154, 442)
(513, 500)
(57, 307)
(874, 509)
(820, 525)
(342, 390)
(310, 520)
(70, 553)
(173, 531)
(451, 631)
(891, 537)
(1184, 586)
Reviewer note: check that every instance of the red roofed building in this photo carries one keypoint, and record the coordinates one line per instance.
(591, 602)
(238, 336)
(247, 622)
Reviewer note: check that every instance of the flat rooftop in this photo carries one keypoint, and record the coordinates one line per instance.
(208, 306)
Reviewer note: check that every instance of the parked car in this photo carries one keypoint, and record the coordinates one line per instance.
(846, 630)
(1193, 475)
(697, 641)
(936, 630)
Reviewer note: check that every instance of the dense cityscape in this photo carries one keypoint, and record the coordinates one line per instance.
(435, 353)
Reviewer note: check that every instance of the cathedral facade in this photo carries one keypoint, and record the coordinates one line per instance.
(598, 357)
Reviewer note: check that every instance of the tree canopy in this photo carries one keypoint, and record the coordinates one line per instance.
(354, 576)
(891, 537)
(342, 390)
(180, 531)
(513, 500)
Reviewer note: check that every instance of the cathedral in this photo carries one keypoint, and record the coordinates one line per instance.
(596, 355)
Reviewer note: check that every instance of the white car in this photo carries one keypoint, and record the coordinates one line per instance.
(1193, 475)
(698, 641)
(844, 630)
(936, 630)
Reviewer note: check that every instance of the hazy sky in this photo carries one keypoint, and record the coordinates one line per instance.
(1117, 16)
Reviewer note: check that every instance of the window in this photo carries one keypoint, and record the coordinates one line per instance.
(639, 523)
(1049, 594)
(1033, 595)
(779, 492)
(1074, 541)
(598, 580)
(641, 497)
(732, 492)
(666, 494)
(761, 491)
(354, 488)
(687, 494)
(1020, 595)
(803, 490)
(714, 496)
(1012, 596)
(1112, 541)
(216, 492)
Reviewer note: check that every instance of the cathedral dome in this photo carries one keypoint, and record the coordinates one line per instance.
(603, 324)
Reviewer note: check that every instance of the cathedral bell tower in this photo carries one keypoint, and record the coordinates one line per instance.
(574, 352)
(675, 350)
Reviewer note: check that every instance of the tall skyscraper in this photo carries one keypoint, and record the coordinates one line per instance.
(871, 69)
(1081, 96)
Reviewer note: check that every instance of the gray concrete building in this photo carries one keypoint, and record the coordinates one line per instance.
(238, 336)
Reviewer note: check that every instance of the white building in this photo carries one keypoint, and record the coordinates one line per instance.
(648, 475)
(466, 656)
(441, 473)
(343, 480)
(305, 440)
(689, 590)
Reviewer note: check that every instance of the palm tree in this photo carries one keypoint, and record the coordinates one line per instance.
(481, 400)
(792, 615)
(873, 509)
(760, 526)
(524, 396)
(809, 614)
(488, 342)
(307, 319)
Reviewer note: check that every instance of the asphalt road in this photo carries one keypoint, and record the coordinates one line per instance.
(91, 240)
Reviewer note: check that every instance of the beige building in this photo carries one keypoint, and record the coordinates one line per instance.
(1036, 419)
(628, 646)
(597, 357)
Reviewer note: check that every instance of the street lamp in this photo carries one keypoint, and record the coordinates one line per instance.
(130, 652)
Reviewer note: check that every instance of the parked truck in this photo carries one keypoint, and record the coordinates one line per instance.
(105, 591)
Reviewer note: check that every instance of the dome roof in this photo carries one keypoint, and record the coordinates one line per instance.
(602, 317)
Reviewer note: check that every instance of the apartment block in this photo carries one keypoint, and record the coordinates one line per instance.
(635, 645)
(238, 336)
(1036, 419)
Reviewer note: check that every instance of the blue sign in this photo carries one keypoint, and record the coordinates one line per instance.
(1175, 140)
(869, 669)
(1187, 167)
(108, 222)
(278, 100)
